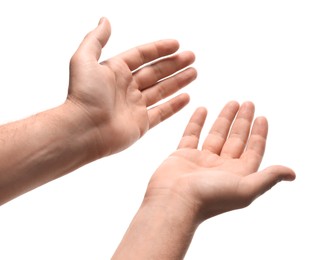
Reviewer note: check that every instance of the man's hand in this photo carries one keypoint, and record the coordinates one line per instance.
(223, 175)
(118, 96)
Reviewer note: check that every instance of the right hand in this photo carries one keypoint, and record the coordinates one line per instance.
(223, 175)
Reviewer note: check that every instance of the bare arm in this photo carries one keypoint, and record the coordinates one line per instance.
(110, 105)
(42, 148)
(193, 185)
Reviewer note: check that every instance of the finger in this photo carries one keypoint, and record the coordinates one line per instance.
(143, 54)
(91, 46)
(238, 137)
(151, 74)
(254, 152)
(258, 183)
(218, 133)
(169, 86)
(193, 129)
(163, 111)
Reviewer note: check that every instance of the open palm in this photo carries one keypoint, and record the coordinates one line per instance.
(118, 95)
(223, 175)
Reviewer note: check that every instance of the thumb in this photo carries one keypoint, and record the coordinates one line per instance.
(264, 180)
(91, 47)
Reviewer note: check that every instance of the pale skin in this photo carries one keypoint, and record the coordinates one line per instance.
(109, 106)
(193, 185)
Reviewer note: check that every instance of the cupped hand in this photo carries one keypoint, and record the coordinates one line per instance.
(119, 96)
(223, 175)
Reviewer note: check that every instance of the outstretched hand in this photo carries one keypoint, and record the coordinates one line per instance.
(223, 175)
(118, 96)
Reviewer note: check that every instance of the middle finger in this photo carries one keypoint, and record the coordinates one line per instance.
(149, 75)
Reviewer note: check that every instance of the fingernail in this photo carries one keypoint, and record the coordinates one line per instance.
(101, 20)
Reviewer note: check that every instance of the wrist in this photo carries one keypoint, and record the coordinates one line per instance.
(161, 229)
(178, 207)
(175, 193)
(83, 132)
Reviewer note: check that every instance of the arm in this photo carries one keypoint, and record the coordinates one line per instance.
(194, 185)
(110, 105)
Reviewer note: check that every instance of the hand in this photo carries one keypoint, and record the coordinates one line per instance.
(116, 96)
(223, 175)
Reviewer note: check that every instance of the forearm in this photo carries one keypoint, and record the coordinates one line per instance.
(158, 231)
(42, 148)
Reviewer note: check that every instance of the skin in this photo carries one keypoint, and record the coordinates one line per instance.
(109, 106)
(193, 185)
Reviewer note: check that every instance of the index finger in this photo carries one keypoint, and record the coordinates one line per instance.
(140, 55)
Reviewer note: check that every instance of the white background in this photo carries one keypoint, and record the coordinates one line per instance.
(263, 51)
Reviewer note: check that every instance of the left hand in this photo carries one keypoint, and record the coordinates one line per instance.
(116, 96)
